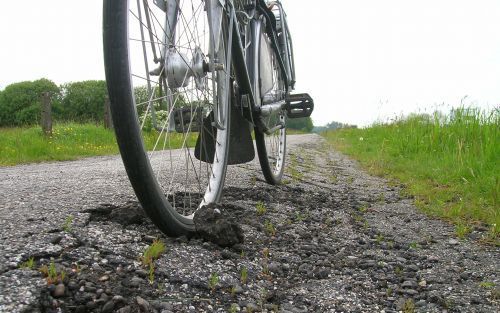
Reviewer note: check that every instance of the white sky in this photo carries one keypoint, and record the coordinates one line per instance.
(361, 60)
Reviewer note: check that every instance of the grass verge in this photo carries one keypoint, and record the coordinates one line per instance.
(69, 141)
(450, 163)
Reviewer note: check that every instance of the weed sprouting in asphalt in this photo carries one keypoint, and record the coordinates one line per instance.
(487, 284)
(414, 246)
(213, 281)
(261, 208)
(233, 308)
(244, 275)
(379, 238)
(28, 264)
(68, 223)
(150, 255)
(269, 228)
(50, 273)
(408, 306)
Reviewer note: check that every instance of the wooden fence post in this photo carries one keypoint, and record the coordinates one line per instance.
(46, 119)
(108, 122)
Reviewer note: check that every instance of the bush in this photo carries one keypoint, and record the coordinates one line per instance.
(83, 101)
(20, 102)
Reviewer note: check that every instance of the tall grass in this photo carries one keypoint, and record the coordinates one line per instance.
(70, 141)
(449, 162)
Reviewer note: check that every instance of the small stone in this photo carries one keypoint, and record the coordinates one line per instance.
(420, 303)
(475, 300)
(251, 307)
(108, 307)
(422, 283)
(125, 309)
(59, 291)
(56, 239)
(453, 242)
(118, 299)
(410, 292)
(408, 284)
(72, 285)
(143, 304)
(237, 289)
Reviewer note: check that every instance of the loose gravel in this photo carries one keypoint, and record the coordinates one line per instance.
(330, 239)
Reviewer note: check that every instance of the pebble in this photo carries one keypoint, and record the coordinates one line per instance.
(59, 291)
(108, 307)
(143, 304)
(104, 278)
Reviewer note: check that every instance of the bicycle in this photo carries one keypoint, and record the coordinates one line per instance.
(198, 77)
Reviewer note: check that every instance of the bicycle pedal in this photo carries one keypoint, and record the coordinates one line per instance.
(299, 105)
(188, 119)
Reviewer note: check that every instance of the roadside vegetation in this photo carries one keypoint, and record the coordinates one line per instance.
(78, 114)
(69, 141)
(449, 163)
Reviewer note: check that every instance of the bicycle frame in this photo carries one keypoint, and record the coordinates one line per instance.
(244, 56)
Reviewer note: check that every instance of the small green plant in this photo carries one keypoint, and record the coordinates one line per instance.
(389, 292)
(68, 222)
(381, 198)
(50, 273)
(152, 252)
(150, 255)
(244, 275)
(379, 238)
(295, 173)
(487, 284)
(462, 230)
(213, 281)
(398, 271)
(363, 208)
(333, 178)
(253, 179)
(265, 253)
(265, 260)
(414, 245)
(358, 218)
(151, 273)
(269, 228)
(28, 264)
(408, 306)
(261, 208)
(233, 308)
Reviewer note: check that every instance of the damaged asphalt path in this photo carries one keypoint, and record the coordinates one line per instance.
(331, 239)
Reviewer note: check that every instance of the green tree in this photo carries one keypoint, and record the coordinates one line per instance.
(303, 124)
(83, 101)
(20, 102)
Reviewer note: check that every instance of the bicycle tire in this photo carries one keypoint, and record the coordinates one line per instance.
(170, 207)
(271, 148)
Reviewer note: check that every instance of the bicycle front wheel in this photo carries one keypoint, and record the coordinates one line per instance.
(169, 87)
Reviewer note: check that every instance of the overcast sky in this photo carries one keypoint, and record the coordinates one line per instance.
(361, 60)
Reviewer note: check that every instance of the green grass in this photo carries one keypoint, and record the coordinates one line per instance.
(69, 141)
(449, 163)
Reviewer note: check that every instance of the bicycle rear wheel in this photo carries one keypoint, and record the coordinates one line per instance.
(169, 86)
(271, 146)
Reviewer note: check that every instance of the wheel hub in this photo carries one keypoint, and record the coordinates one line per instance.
(179, 69)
